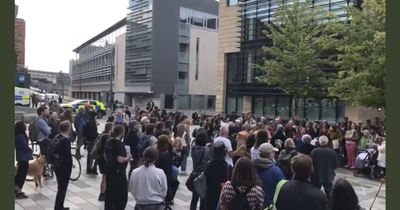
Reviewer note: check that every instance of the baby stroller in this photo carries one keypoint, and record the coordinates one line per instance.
(365, 163)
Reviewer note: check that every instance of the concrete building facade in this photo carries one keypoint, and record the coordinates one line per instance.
(51, 82)
(19, 43)
(92, 71)
(169, 53)
(239, 46)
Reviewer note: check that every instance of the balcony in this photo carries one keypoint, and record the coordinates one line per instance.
(184, 39)
(184, 57)
(183, 87)
(184, 29)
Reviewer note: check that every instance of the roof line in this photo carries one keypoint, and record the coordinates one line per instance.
(112, 28)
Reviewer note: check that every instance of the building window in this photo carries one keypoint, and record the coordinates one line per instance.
(328, 109)
(233, 2)
(234, 105)
(196, 75)
(198, 18)
(197, 101)
(283, 107)
(311, 108)
(211, 22)
(169, 101)
(270, 107)
(183, 102)
(258, 106)
(299, 109)
(341, 106)
(211, 102)
(182, 75)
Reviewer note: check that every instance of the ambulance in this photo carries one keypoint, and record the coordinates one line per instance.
(22, 97)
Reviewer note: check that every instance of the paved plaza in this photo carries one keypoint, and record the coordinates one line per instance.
(83, 193)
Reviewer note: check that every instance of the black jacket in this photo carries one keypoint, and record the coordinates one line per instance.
(90, 131)
(325, 161)
(299, 194)
(314, 133)
(131, 140)
(55, 129)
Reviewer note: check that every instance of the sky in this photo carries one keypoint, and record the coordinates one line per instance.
(54, 28)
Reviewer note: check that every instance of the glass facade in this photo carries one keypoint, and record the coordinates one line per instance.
(199, 19)
(315, 109)
(139, 42)
(268, 100)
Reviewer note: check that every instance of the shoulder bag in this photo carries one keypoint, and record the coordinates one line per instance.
(194, 174)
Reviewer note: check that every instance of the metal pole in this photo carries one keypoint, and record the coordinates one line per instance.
(80, 82)
(110, 95)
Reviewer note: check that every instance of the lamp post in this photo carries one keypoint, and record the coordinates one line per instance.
(110, 94)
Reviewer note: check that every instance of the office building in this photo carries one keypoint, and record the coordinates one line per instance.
(19, 43)
(171, 49)
(94, 69)
(240, 42)
(50, 81)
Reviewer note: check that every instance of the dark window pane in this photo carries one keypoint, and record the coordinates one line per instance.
(258, 106)
(269, 107)
(231, 105)
(211, 102)
(212, 23)
(299, 111)
(312, 109)
(239, 105)
(168, 101)
(328, 109)
(341, 111)
(283, 106)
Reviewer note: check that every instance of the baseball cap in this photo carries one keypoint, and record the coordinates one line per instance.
(267, 148)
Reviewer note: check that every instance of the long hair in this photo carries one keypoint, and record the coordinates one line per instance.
(20, 129)
(244, 174)
(150, 155)
(343, 196)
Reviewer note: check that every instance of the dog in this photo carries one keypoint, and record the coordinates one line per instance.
(36, 170)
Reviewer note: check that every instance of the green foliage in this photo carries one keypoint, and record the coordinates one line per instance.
(293, 62)
(362, 55)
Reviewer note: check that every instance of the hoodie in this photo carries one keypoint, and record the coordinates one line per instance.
(270, 175)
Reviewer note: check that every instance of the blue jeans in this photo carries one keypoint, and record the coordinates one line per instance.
(175, 172)
(185, 155)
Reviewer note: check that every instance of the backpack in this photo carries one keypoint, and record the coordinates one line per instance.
(109, 156)
(96, 153)
(32, 131)
(276, 194)
(53, 149)
(285, 162)
(142, 145)
(239, 201)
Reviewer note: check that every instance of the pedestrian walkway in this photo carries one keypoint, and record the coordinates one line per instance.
(83, 193)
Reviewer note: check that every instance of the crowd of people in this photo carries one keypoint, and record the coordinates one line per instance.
(245, 164)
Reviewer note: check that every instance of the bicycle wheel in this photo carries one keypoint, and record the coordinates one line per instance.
(76, 169)
(30, 178)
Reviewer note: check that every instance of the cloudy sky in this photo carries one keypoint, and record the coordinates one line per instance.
(54, 28)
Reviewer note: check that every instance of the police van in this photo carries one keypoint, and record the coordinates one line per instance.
(22, 97)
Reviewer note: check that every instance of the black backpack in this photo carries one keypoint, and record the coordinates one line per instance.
(239, 201)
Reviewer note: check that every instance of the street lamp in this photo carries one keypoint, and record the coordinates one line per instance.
(80, 80)
(111, 76)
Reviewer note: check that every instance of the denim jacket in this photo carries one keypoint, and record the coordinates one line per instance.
(196, 155)
(22, 149)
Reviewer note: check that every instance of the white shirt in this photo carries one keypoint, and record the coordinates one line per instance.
(228, 146)
(254, 153)
(148, 185)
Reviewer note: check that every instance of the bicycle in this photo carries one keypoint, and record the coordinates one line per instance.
(49, 169)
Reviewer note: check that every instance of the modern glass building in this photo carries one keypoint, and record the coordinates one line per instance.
(243, 93)
(161, 39)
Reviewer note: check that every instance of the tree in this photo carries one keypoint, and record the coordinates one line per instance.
(362, 56)
(293, 62)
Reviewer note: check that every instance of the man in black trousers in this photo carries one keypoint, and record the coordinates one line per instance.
(62, 163)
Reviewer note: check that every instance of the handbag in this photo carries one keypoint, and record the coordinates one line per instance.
(193, 175)
(226, 176)
(200, 185)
